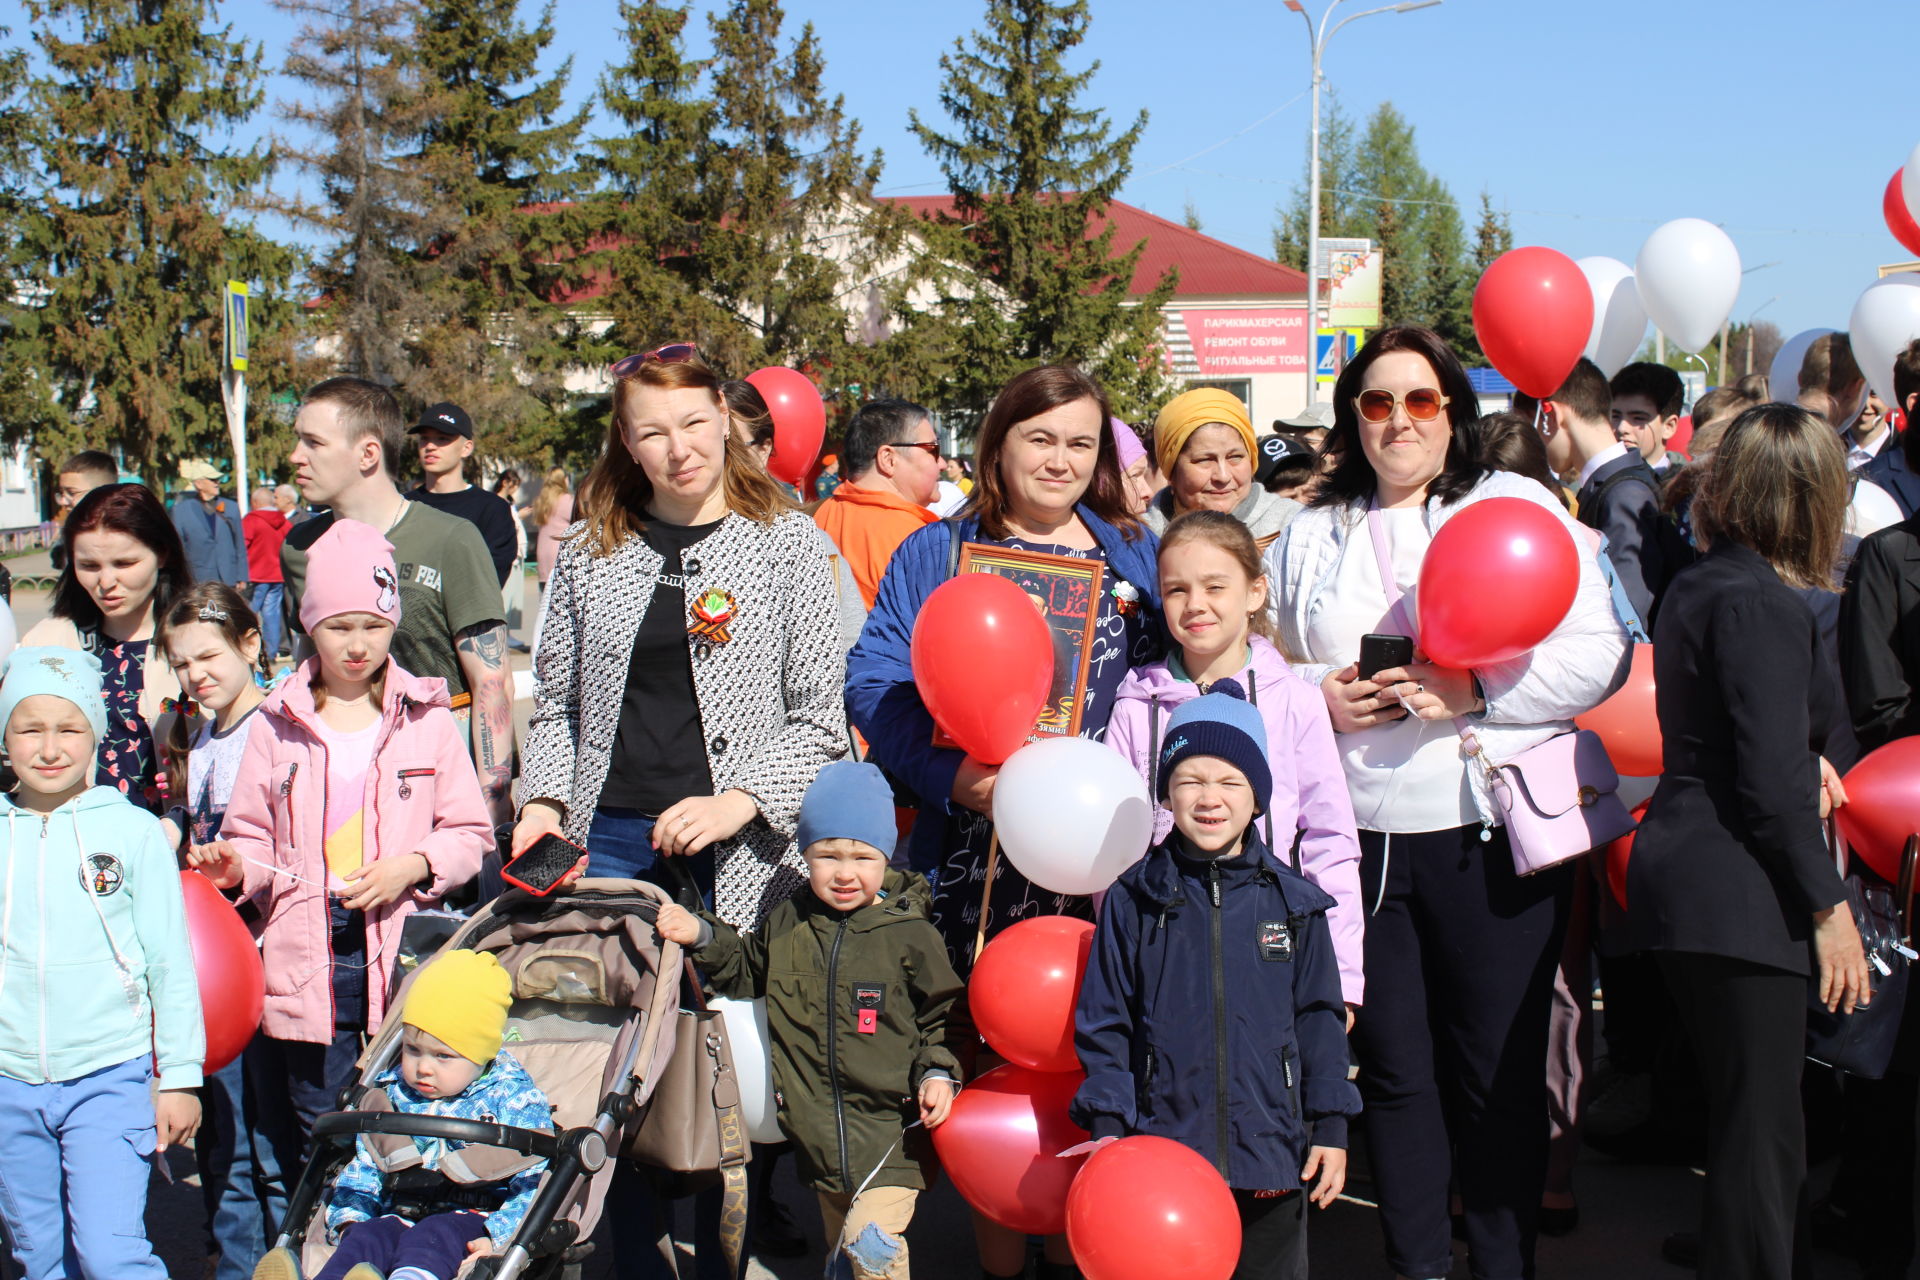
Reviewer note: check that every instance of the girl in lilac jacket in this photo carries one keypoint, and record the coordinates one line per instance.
(1214, 594)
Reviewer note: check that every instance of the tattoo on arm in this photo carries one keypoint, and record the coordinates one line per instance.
(483, 657)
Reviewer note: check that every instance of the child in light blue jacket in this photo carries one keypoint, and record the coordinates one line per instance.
(96, 984)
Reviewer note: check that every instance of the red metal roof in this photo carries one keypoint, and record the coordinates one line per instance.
(1208, 267)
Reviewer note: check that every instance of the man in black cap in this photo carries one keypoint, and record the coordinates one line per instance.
(445, 437)
(1287, 467)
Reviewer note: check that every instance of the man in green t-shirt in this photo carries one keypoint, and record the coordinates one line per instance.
(351, 437)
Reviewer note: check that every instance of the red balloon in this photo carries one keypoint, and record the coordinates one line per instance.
(233, 986)
(1682, 436)
(983, 661)
(1024, 988)
(1499, 577)
(1001, 1144)
(1883, 805)
(799, 420)
(1533, 314)
(1627, 723)
(1144, 1208)
(1618, 854)
(1900, 219)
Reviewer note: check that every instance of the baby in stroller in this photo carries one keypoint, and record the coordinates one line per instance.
(451, 1064)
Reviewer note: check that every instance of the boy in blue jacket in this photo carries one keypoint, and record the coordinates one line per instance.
(451, 1064)
(96, 983)
(1211, 1011)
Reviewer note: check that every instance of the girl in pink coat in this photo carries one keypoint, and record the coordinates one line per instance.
(1214, 597)
(355, 805)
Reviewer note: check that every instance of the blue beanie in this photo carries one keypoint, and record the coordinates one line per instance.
(1220, 723)
(73, 674)
(849, 800)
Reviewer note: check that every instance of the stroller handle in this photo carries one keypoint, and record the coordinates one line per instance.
(341, 1126)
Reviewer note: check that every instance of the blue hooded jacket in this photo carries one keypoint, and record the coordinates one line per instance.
(1211, 1014)
(882, 700)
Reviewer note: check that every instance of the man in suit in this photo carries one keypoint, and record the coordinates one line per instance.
(1896, 468)
(1617, 492)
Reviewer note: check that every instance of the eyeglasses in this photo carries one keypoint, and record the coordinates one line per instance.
(1423, 404)
(672, 353)
(931, 446)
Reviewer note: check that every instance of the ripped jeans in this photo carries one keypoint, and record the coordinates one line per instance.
(867, 1234)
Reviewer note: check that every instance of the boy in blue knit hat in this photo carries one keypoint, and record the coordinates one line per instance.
(857, 985)
(1211, 1011)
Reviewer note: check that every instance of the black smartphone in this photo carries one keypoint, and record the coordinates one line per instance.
(1383, 653)
(539, 869)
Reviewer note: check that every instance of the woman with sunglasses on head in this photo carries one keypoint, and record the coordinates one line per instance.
(1047, 479)
(124, 567)
(1205, 446)
(688, 683)
(1460, 951)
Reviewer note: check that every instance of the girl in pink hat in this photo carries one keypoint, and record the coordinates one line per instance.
(355, 805)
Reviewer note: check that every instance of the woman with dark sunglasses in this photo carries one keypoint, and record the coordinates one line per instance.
(1460, 951)
(688, 684)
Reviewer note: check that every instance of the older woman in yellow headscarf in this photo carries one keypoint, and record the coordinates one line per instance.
(1206, 448)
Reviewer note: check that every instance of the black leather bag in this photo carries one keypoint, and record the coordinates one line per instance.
(1862, 1043)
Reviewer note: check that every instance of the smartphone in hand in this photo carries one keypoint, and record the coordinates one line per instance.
(1383, 653)
(541, 867)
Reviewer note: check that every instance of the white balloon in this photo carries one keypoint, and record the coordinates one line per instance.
(1688, 273)
(1071, 813)
(1783, 375)
(1884, 321)
(752, 1065)
(1910, 183)
(1619, 321)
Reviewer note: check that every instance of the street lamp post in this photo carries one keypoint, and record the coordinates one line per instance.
(1317, 40)
(1750, 319)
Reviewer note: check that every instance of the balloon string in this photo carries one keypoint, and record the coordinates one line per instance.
(986, 894)
(279, 871)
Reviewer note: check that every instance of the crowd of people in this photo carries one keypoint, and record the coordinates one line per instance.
(1333, 926)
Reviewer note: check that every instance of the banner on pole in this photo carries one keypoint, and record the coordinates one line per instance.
(234, 338)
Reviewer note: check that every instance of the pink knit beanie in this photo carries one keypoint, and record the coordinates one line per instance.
(1126, 442)
(350, 570)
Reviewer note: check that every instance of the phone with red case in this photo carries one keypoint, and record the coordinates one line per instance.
(540, 868)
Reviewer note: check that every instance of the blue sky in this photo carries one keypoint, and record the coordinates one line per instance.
(1592, 123)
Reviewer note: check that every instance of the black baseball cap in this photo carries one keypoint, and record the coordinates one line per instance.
(445, 416)
(1275, 452)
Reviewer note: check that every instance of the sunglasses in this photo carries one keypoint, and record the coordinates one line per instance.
(1423, 404)
(672, 353)
(932, 447)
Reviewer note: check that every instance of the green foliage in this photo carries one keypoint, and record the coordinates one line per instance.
(1373, 185)
(488, 147)
(367, 284)
(133, 217)
(1031, 170)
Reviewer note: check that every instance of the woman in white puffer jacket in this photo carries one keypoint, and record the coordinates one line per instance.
(1460, 951)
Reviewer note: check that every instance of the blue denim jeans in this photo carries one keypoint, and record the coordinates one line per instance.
(236, 1166)
(293, 1085)
(620, 843)
(267, 601)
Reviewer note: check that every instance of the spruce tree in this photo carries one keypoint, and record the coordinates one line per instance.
(640, 231)
(490, 152)
(793, 188)
(133, 221)
(368, 207)
(1032, 171)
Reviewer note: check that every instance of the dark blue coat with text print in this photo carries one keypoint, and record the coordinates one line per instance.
(1211, 1014)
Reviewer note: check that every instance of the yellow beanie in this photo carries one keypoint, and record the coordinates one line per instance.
(1191, 410)
(461, 999)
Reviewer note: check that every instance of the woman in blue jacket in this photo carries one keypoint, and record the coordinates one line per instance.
(1047, 479)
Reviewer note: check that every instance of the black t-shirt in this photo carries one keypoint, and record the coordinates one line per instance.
(660, 754)
(486, 511)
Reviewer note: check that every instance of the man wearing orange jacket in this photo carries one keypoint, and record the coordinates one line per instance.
(891, 461)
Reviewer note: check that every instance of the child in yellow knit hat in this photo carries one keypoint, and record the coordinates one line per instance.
(451, 1064)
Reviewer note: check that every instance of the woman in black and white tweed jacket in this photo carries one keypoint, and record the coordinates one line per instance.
(688, 683)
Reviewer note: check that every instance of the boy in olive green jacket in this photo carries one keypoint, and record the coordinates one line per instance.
(857, 956)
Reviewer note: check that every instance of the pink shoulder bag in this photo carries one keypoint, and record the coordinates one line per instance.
(1557, 799)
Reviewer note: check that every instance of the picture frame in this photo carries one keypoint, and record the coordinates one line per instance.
(1067, 591)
